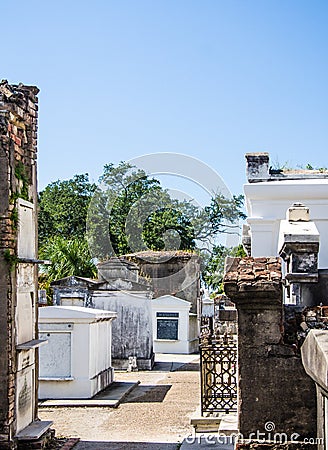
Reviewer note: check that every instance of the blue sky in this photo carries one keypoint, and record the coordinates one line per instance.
(212, 79)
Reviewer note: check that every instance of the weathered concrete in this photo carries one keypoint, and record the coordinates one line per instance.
(315, 293)
(122, 289)
(273, 386)
(132, 330)
(72, 291)
(298, 245)
(171, 273)
(257, 166)
(258, 170)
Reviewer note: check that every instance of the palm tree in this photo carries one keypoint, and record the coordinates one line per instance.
(68, 257)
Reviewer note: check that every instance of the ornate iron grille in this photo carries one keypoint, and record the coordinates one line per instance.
(218, 354)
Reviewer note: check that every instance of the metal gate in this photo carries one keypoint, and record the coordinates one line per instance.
(218, 356)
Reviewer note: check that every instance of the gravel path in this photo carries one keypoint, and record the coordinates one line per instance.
(154, 416)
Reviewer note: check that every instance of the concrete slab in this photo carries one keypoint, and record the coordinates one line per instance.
(34, 431)
(228, 424)
(109, 397)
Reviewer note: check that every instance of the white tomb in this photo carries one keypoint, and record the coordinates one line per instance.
(174, 327)
(268, 197)
(76, 362)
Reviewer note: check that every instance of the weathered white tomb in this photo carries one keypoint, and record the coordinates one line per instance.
(175, 328)
(119, 288)
(76, 363)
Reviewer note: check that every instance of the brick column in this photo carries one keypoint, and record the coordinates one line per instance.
(273, 386)
(18, 147)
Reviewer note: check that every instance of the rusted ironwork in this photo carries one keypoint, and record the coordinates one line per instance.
(218, 356)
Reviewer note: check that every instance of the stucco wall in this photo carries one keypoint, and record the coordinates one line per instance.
(132, 330)
(267, 203)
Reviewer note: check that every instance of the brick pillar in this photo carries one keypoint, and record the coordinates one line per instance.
(273, 386)
(18, 146)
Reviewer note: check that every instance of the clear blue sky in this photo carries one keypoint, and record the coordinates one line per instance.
(213, 79)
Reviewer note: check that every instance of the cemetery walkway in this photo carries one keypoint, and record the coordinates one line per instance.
(154, 416)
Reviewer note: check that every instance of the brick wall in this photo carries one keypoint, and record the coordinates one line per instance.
(18, 148)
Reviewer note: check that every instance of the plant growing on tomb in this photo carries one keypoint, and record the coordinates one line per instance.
(11, 259)
(21, 175)
(14, 218)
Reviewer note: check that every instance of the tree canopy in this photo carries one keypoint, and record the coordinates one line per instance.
(63, 207)
(132, 212)
(213, 266)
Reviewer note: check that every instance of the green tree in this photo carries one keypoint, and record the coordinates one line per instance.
(169, 228)
(220, 217)
(213, 266)
(132, 212)
(63, 207)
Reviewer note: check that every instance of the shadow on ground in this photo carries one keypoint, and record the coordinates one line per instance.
(174, 366)
(97, 445)
(148, 394)
(189, 367)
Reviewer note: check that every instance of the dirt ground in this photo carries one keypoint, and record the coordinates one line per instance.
(154, 416)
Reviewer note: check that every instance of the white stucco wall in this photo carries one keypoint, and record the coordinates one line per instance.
(267, 203)
(76, 363)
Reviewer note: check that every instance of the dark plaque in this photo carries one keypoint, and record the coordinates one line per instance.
(167, 329)
(167, 314)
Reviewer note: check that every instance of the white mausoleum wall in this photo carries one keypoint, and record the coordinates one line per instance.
(267, 203)
(132, 331)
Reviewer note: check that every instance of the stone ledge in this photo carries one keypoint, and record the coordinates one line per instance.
(34, 431)
(206, 424)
